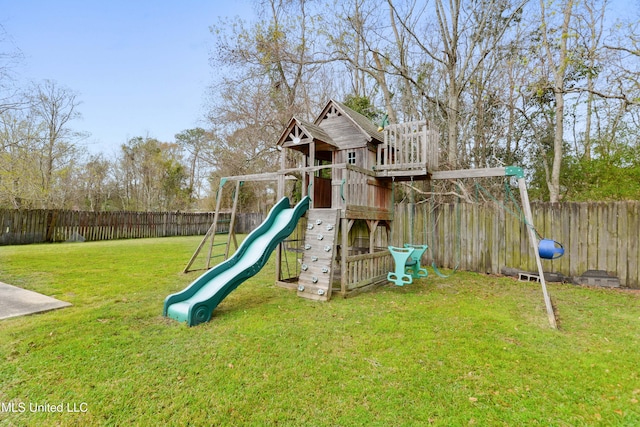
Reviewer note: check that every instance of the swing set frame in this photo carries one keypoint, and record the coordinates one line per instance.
(534, 239)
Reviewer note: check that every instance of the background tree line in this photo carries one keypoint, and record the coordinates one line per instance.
(44, 165)
(553, 86)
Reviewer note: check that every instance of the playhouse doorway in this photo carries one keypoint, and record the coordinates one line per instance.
(322, 181)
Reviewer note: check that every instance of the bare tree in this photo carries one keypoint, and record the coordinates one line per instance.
(464, 33)
(590, 33)
(152, 176)
(10, 57)
(54, 108)
(199, 145)
(555, 61)
(39, 148)
(20, 177)
(356, 41)
(94, 183)
(276, 70)
(507, 81)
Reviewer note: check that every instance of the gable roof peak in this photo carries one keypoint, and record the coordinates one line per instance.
(363, 123)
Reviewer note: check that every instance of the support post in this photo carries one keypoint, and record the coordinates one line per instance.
(215, 221)
(281, 180)
(232, 222)
(311, 174)
(344, 253)
(534, 245)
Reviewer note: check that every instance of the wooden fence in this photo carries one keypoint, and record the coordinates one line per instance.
(482, 238)
(488, 238)
(37, 226)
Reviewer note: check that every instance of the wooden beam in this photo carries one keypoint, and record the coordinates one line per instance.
(366, 212)
(281, 178)
(313, 168)
(267, 176)
(211, 229)
(401, 166)
(311, 175)
(361, 170)
(469, 173)
(373, 225)
(404, 174)
(534, 245)
(271, 176)
(215, 221)
(479, 173)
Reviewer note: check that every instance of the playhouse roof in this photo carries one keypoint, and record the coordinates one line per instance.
(299, 133)
(363, 123)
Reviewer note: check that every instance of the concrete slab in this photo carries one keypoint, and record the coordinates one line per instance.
(16, 302)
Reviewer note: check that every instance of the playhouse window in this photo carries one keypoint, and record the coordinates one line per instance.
(351, 157)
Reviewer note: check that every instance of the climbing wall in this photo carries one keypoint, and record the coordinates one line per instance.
(316, 275)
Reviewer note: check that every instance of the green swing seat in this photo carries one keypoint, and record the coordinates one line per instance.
(413, 265)
(407, 264)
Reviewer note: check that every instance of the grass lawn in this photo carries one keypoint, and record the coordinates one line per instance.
(466, 350)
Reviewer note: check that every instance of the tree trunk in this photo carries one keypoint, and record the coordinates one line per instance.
(559, 72)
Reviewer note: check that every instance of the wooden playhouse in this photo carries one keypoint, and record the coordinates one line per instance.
(347, 166)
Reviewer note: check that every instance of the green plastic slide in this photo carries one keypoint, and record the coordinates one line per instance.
(196, 302)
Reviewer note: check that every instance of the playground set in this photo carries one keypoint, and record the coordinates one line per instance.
(337, 238)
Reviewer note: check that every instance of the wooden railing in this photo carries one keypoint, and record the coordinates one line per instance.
(408, 148)
(356, 188)
(366, 269)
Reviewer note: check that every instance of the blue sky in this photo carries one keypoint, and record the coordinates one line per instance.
(140, 67)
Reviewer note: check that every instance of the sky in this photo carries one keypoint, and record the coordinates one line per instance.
(139, 67)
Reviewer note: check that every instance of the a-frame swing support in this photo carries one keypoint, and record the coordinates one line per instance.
(211, 233)
(281, 177)
(519, 174)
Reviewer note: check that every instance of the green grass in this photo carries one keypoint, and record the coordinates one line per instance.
(466, 350)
